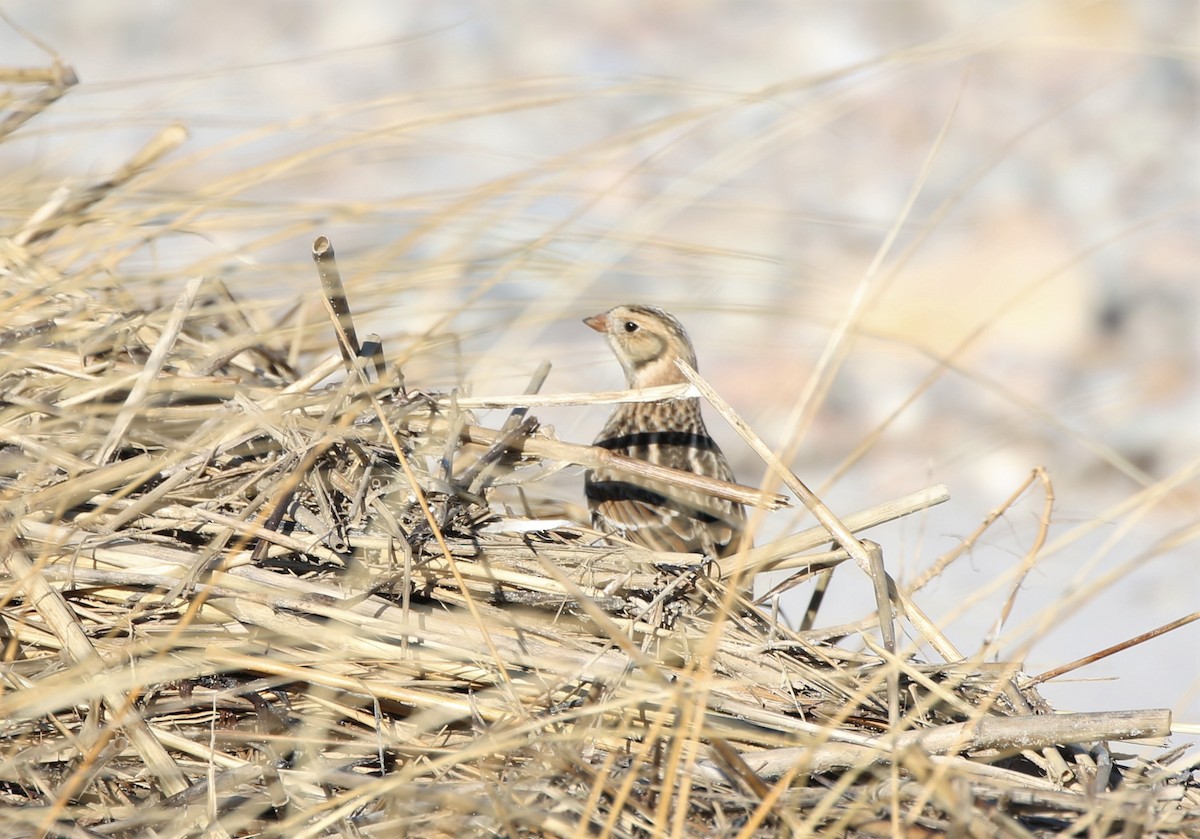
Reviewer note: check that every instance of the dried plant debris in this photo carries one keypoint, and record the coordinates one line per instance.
(238, 599)
(275, 605)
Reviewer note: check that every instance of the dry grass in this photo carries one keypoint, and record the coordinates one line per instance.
(239, 600)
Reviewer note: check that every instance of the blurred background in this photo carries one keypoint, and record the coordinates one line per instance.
(913, 242)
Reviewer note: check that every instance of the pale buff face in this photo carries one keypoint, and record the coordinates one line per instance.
(646, 341)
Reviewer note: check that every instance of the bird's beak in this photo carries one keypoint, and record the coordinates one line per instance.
(596, 322)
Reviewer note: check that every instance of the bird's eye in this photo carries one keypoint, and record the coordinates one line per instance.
(630, 326)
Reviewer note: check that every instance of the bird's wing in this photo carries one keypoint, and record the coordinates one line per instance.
(664, 518)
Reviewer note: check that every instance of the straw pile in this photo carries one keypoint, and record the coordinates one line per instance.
(238, 599)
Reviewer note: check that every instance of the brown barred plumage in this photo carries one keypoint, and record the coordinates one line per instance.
(647, 340)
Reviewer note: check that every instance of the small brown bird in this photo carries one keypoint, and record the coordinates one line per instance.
(647, 341)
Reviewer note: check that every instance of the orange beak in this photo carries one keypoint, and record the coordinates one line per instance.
(596, 322)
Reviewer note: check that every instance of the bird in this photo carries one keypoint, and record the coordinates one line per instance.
(647, 341)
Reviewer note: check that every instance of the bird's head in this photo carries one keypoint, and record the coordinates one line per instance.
(646, 340)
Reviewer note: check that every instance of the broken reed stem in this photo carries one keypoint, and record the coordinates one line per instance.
(334, 297)
(1004, 734)
(1107, 651)
(774, 555)
(594, 457)
(58, 79)
(56, 75)
(517, 425)
(557, 400)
